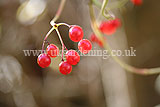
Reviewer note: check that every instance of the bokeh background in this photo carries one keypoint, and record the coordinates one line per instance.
(94, 82)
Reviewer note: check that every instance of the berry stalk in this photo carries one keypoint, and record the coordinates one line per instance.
(45, 39)
(59, 24)
(63, 46)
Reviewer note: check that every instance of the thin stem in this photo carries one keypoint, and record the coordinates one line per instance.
(116, 4)
(66, 48)
(47, 42)
(63, 46)
(103, 12)
(97, 3)
(50, 31)
(59, 11)
(127, 67)
(59, 24)
(104, 9)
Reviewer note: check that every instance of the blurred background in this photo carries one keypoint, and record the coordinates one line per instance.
(94, 82)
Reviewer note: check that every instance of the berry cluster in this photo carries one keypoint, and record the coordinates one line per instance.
(108, 28)
(72, 57)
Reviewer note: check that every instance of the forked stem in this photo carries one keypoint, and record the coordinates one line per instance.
(55, 27)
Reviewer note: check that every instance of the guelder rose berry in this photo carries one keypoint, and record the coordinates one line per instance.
(72, 57)
(94, 38)
(84, 46)
(109, 27)
(52, 50)
(116, 22)
(65, 68)
(137, 2)
(75, 33)
(43, 60)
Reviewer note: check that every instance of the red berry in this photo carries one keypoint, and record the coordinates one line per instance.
(96, 40)
(52, 50)
(116, 22)
(84, 46)
(65, 68)
(100, 43)
(93, 38)
(76, 33)
(109, 27)
(72, 57)
(137, 2)
(43, 60)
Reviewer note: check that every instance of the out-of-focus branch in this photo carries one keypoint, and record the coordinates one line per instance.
(127, 67)
(97, 3)
(104, 9)
(59, 11)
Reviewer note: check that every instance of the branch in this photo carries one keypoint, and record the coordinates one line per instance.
(127, 67)
(59, 11)
(104, 9)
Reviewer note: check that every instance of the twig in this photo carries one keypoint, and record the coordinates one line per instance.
(59, 11)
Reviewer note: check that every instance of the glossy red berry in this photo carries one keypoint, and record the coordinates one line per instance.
(84, 46)
(43, 60)
(65, 68)
(52, 50)
(76, 33)
(109, 27)
(137, 2)
(72, 57)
